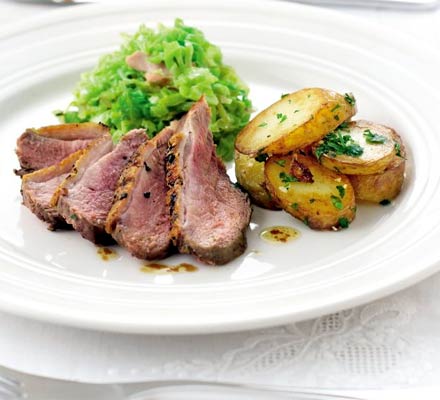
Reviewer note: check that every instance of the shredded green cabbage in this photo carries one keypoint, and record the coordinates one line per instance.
(120, 97)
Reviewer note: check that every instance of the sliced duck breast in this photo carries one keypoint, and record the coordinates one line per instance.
(87, 194)
(41, 189)
(209, 215)
(46, 146)
(140, 219)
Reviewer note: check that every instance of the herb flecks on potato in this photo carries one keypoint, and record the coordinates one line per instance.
(324, 202)
(381, 188)
(295, 121)
(304, 155)
(357, 148)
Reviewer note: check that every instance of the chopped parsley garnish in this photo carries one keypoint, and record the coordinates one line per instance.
(398, 150)
(262, 125)
(336, 143)
(349, 98)
(335, 107)
(306, 221)
(337, 202)
(296, 111)
(343, 127)
(343, 222)
(261, 157)
(385, 202)
(74, 217)
(281, 163)
(311, 201)
(281, 117)
(341, 191)
(294, 206)
(284, 95)
(287, 179)
(374, 138)
(336, 117)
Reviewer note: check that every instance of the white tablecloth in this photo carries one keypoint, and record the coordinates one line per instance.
(393, 342)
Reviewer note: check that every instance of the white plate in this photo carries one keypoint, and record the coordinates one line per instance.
(276, 48)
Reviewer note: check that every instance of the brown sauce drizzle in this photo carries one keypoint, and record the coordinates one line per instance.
(156, 268)
(107, 254)
(279, 234)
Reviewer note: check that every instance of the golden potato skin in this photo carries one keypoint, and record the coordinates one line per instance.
(374, 160)
(250, 176)
(313, 203)
(295, 121)
(385, 186)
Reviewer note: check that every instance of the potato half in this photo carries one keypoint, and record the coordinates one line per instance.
(321, 198)
(295, 121)
(377, 188)
(376, 143)
(250, 176)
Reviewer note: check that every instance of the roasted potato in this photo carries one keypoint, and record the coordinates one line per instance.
(295, 121)
(321, 198)
(357, 148)
(386, 186)
(250, 176)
